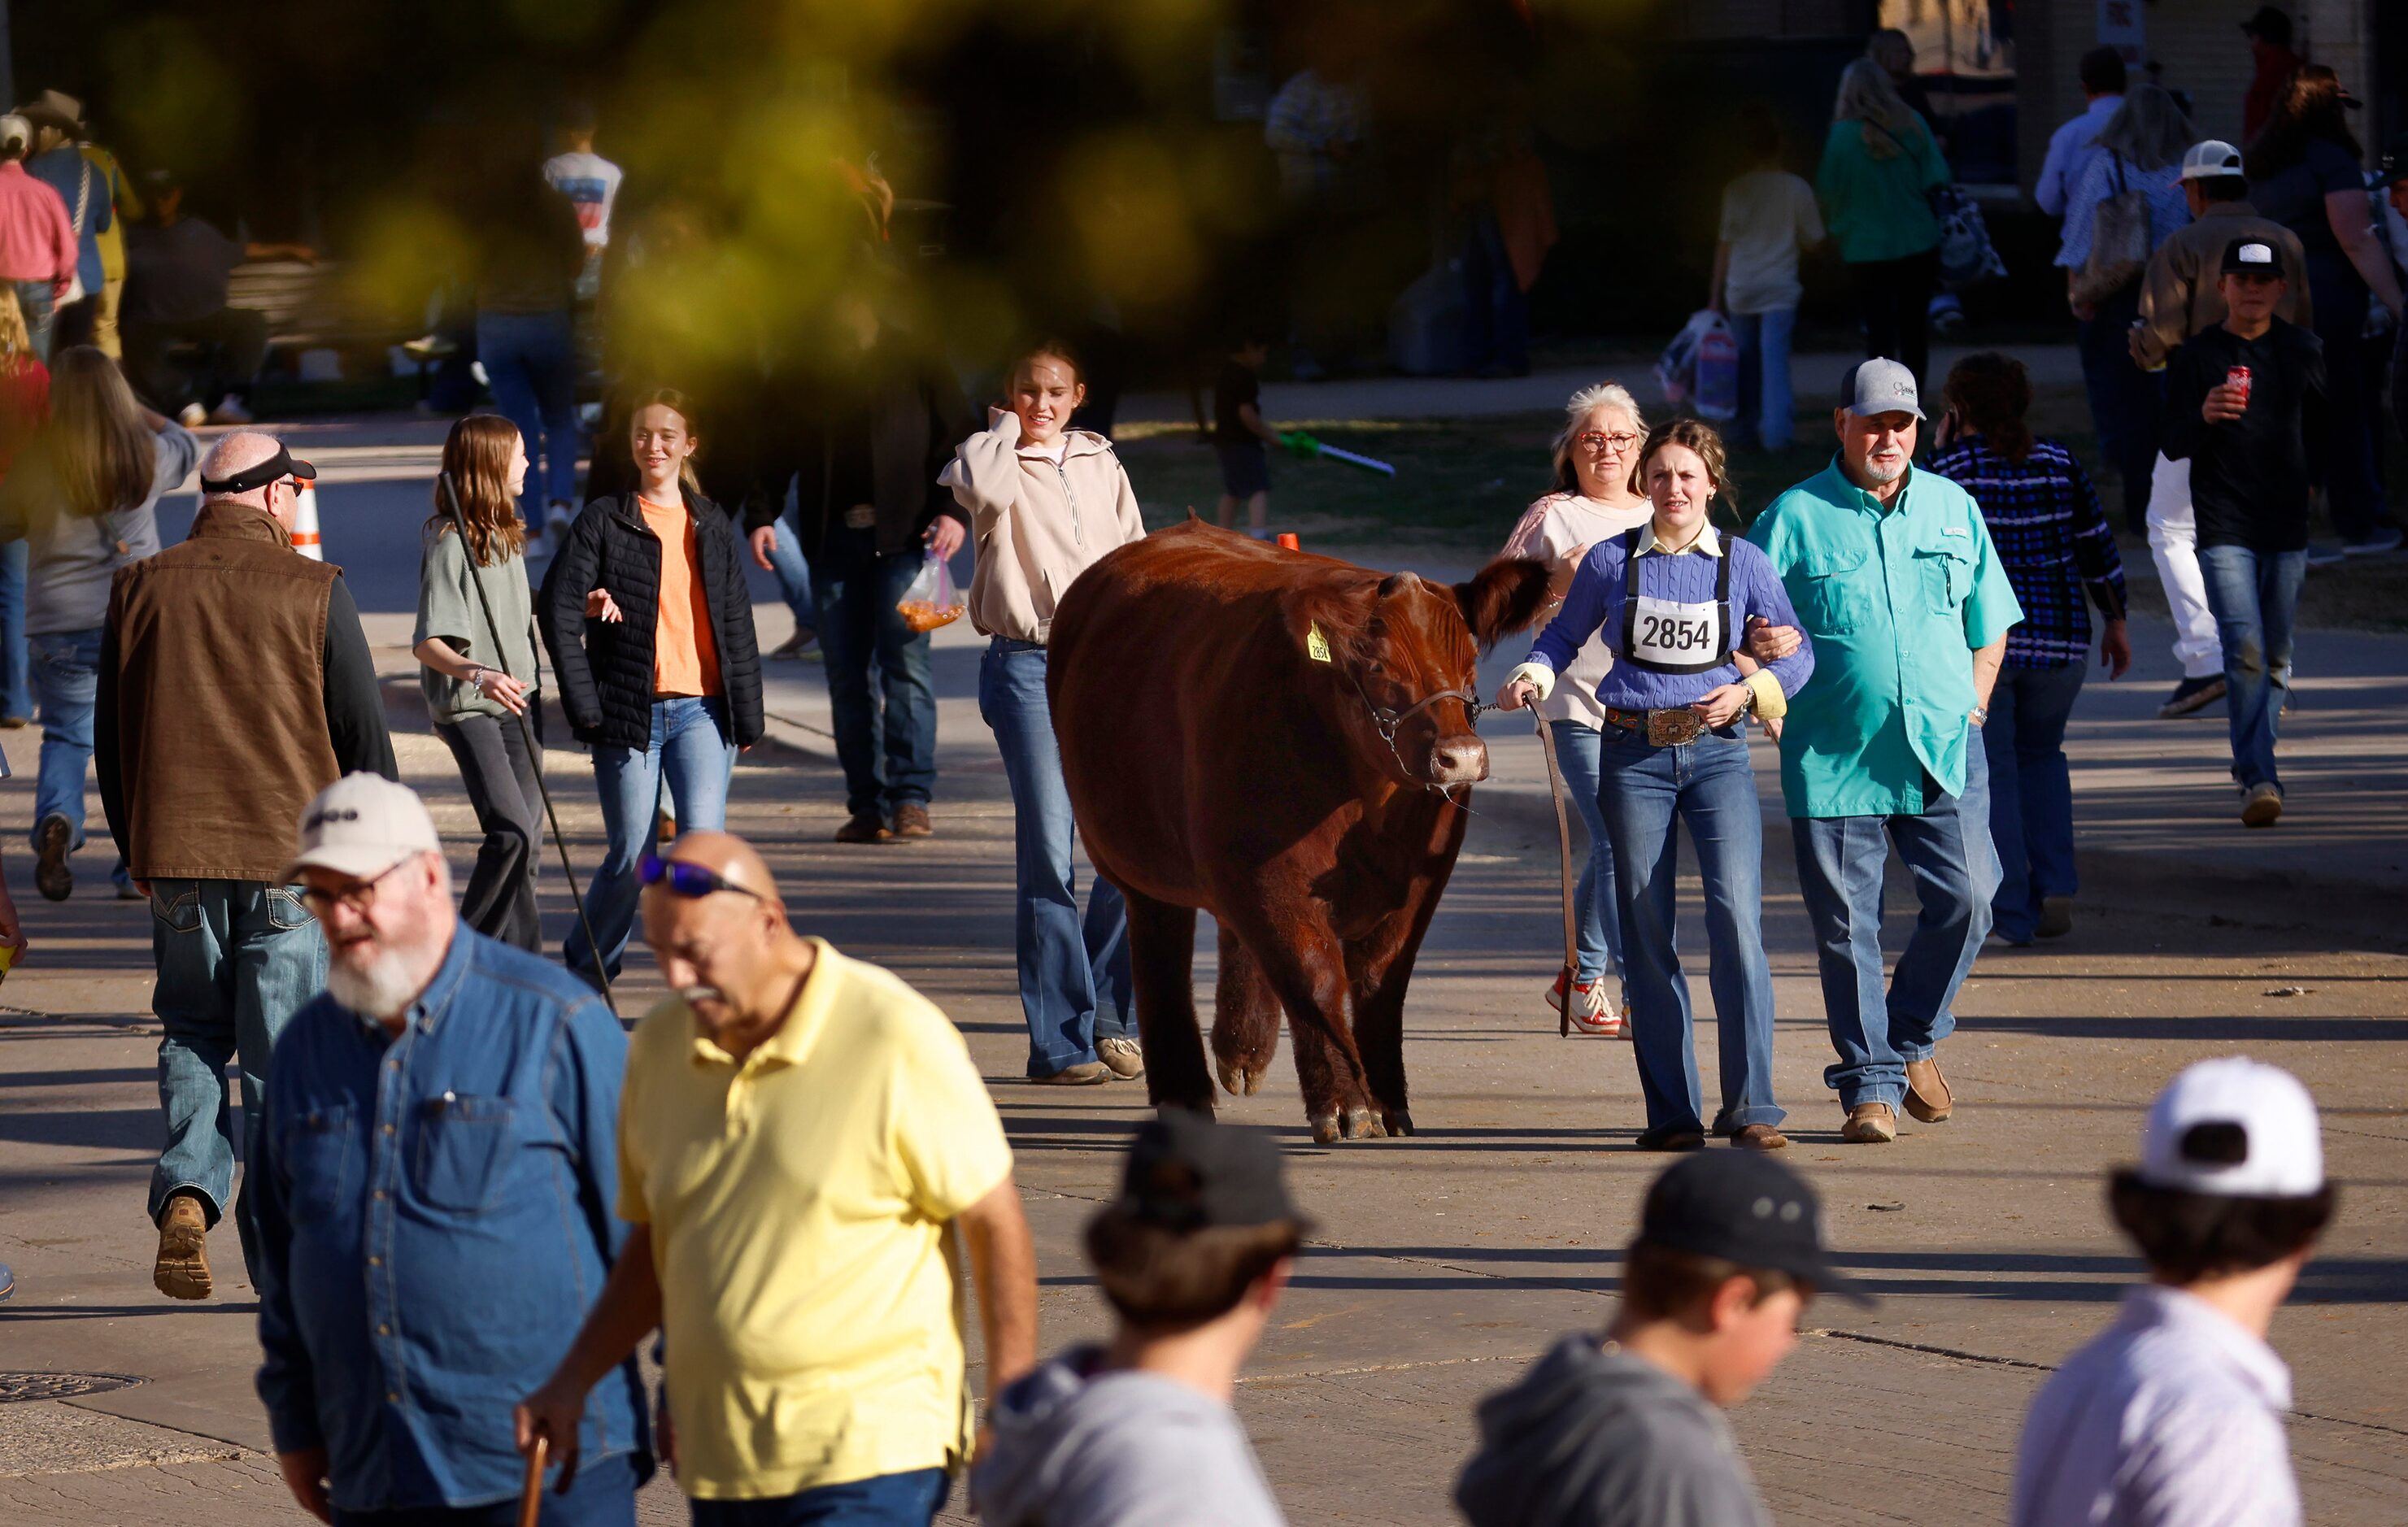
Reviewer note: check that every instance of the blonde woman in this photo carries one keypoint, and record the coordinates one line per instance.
(1880, 166)
(1594, 497)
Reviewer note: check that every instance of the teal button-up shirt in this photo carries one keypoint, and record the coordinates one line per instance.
(1896, 599)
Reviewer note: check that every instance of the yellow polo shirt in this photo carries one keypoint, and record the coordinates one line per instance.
(812, 1297)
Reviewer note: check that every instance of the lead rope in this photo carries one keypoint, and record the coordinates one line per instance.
(1564, 843)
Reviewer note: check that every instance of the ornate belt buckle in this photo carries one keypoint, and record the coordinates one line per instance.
(1670, 728)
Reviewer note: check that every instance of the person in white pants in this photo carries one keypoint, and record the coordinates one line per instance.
(2173, 545)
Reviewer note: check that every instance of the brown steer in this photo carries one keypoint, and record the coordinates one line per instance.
(1284, 741)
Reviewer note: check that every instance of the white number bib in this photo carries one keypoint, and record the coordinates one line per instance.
(1670, 635)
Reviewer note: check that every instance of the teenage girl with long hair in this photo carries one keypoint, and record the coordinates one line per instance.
(84, 493)
(479, 676)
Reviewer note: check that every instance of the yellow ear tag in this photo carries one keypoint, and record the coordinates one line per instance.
(1316, 646)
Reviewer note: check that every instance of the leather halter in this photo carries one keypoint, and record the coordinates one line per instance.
(1387, 720)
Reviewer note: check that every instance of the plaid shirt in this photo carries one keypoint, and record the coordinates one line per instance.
(2053, 540)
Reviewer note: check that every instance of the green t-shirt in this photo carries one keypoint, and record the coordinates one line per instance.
(1878, 208)
(1896, 601)
(447, 608)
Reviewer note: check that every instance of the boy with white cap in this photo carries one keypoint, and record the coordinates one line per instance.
(2175, 1413)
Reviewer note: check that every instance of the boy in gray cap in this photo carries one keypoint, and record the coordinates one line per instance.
(1192, 1256)
(1627, 1431)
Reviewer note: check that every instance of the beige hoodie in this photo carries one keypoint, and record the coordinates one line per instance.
(1037, 524)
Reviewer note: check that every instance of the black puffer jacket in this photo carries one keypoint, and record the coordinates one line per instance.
(605, 670)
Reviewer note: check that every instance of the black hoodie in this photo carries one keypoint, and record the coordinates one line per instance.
(1593, 1436)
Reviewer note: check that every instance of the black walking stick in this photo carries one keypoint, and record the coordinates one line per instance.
(527, 730)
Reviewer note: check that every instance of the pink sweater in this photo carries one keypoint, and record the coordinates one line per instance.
(36, 240)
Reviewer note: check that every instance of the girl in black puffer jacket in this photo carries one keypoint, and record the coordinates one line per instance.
(650, 627)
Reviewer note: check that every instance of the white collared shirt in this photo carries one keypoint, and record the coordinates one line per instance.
(1707, 541)
(2172, 1415)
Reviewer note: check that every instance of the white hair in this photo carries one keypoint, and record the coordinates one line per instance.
(1588, 400)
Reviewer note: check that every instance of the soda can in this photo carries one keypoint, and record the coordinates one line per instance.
(2239, 376)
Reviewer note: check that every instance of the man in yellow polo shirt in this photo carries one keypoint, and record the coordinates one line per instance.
(801, 1139)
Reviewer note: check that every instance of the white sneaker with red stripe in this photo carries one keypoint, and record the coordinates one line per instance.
(1594, 1011)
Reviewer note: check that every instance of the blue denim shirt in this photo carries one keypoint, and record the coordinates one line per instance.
(435, 1220)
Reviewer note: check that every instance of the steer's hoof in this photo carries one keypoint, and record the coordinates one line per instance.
(1239, 1081)
(1400, 1123)
(1362, 1125)
(1325, 1128)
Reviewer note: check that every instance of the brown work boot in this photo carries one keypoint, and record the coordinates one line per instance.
(1870, 1123)
(183, 1270)
(911, 821)
(1760, 1137)
(1671, 1138)
(1927, 1097)
(863, 827)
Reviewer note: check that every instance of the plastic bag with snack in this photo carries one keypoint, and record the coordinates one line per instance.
(931, 600)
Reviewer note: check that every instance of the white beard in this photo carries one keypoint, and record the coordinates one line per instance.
(382, 991)
(1884, 474)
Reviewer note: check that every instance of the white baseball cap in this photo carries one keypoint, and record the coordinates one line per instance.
(2209, 160)
(2235, 1128)
(361, 825)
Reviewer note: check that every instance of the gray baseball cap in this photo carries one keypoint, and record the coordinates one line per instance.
(1880, 387)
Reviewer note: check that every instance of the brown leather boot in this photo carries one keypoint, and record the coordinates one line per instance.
(1760, 1137)
(183, 1270)
(911, 821)
(1927, 1097)
(1870, 1123)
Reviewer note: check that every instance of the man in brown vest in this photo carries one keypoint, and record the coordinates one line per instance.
(234, 685)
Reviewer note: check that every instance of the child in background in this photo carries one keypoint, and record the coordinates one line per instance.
(1627, 1430)
(1769, 215)
(1240, 439)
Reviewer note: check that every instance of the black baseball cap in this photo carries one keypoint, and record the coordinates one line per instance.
(1743, 1206)
(1186, 1173)
(2251, 257)
(277, 467)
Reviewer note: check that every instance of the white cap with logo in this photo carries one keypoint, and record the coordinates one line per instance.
(2235, 1128)
(1880, 387)
(2210, 159)
(361, 825)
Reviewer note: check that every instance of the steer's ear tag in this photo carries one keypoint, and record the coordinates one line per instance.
(1316, 646)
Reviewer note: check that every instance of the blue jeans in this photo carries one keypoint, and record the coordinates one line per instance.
(2255, 597)
(793, 574)
(531, 365)
(236, 958)
(602, 1495)
(1840, 862)
(2031, 793)
(857, 588)
(1597, 912)
(39, 304)
(890, 1500)
(1075, 986)
(65, 671)
(1766, 401)
(1709, 785)
(16, 677)
(691, 755)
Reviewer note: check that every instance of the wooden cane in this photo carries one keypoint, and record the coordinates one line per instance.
(531, 1491)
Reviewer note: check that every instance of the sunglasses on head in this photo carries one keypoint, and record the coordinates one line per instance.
(684, 879)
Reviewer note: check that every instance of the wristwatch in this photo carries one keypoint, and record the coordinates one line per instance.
(1981, 714)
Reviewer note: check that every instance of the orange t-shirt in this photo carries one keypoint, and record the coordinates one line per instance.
(685, 651)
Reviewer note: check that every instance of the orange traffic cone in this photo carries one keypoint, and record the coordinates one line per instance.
(1287, 538)
(305, 538)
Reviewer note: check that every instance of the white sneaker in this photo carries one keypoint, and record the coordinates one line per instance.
(192, 416)
(229, 412)
(1594, 1009)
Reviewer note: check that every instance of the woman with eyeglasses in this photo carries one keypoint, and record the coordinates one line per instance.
(1595, 496)
(1670, 602)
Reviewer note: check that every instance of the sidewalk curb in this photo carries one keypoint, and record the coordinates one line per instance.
(2348, 911)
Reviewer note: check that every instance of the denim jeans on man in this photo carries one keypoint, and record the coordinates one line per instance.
(40, 304)
(1841, 861)
(1766, 400)
(2031, 793)
(1075, 986)
(65, 671)
(236, 959)
(437, 1217)
(2255, 597)
(890, 761)
(691, 759)
(1709, 786)
(530, 362)
(1596, 910)
(16, 662)
(793, 574)
(888, 1500)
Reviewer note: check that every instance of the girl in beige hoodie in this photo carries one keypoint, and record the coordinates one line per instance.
(1045, 502)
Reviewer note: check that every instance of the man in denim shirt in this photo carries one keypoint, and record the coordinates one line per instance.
(437, 1162)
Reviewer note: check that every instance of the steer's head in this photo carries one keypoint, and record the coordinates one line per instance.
(1405, 654)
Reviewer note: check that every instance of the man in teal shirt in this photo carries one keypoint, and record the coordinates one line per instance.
(1897, 583)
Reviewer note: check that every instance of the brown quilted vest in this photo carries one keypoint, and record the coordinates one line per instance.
(222, 698)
